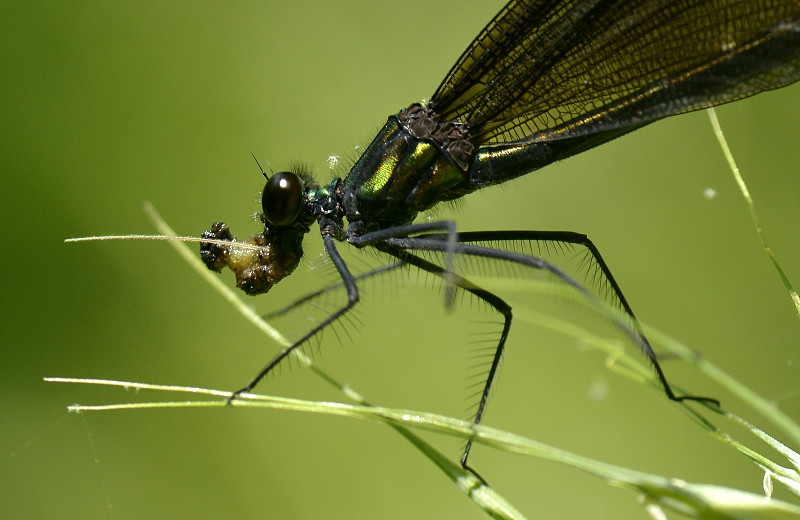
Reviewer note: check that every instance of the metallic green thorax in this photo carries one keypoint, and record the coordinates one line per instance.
(406, 169)
(417, 160)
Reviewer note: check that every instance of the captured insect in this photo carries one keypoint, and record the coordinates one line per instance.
(544, 80)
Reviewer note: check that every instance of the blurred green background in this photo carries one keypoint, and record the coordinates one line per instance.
(109, 104)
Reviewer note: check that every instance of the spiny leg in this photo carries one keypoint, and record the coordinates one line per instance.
(492, 299)
(378, 271)
(634, 333)
(450, 237)
(352, 298)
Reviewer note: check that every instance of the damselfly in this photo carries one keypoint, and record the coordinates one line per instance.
(544, 80)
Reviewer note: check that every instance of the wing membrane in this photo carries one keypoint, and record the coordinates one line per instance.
(627, 63)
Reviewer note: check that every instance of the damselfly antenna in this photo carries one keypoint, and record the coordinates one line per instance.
(262, 169)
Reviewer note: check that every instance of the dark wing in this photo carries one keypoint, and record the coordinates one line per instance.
(546, 69)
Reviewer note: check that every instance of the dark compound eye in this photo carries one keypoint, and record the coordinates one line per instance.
(282, 198)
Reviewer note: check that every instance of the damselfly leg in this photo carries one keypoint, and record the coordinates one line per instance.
(407, 243)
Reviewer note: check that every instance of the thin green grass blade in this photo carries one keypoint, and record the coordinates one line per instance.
(737, 175)
(633, 365)
(691, 499)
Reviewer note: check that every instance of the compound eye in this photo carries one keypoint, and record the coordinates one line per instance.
(282, 198)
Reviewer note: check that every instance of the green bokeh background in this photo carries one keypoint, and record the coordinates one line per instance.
(108, 104)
